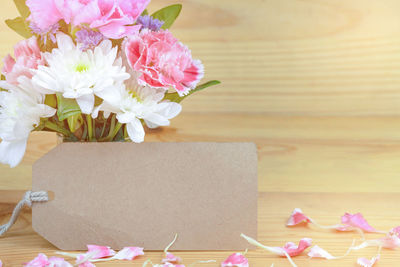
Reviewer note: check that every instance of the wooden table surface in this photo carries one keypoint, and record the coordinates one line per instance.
(314, 83)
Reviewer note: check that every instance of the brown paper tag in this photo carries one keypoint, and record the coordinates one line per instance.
(126, 194)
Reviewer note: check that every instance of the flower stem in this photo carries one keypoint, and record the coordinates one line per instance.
(112, 126)
(54, 127)
(126, 132)
(114, 132)
(104, 128)
(90, 127)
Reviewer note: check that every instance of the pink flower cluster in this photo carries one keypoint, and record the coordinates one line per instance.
(113, 18)
(160, 60)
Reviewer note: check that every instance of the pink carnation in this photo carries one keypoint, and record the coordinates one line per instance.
(163, 61)
(44, 13)
(113, 18)
(27, 57)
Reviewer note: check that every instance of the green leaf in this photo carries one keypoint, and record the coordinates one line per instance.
(67, 107)
(51, 101)
(22, 8)
(20, 26)
(74, 122)
(97, 101)
(168, 15)
(144, 13)
(175, 97)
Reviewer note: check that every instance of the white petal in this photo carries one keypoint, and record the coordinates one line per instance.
(151, 125)
(156, 119)
(136, 131)
(111, 95)
(11, 153)
(126, 117)
(47, 111)
(105, 46)
(172, 110)
(64, 42)
(8, 86)
(95, 112)
(86, 103)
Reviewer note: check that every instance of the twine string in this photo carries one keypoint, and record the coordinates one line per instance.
(29, 198)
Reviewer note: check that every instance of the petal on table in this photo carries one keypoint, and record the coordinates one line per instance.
(235, 260)
(100, 251)
(366, 262)
(297, 217)
(58, 262)
(295, 250)
(171, 258)
(357, 220)
(318, 252)
(396, 231)
(129, 253)
(82, 261)
(40, 260)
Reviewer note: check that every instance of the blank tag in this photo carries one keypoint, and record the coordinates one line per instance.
(126, 194)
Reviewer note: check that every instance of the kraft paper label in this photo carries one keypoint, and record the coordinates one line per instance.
(126, 194)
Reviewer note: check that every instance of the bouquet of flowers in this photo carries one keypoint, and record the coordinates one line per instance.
(92, 71)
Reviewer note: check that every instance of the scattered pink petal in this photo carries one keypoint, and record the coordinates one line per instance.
(85, 263)
(344, 228)
(235, 260)
(171, 258)
(58, 262)
(276, 250)
(318, 252)
(128, 253)
(1, 263)
(390, 241)
(396, 231)
(168, 264)
(100, 251)
(297, 217)
(295, 250)
(366, 262)
(357, 220)
(40, 261)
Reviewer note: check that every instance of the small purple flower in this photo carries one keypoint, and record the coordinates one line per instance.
(150, 23)
(46, 33)
(88, 38)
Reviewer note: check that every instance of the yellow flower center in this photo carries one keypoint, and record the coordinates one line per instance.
(134, 95)
(81, 67)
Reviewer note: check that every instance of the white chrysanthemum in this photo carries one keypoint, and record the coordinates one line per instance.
(136, 102)
(21, 108)
(80, 74)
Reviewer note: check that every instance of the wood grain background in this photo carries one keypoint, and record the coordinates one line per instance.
(314, 83)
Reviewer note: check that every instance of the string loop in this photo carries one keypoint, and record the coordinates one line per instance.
(28, 199)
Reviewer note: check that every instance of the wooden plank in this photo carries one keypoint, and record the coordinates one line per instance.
(21, 243)
(296, 154)
(287, 57)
